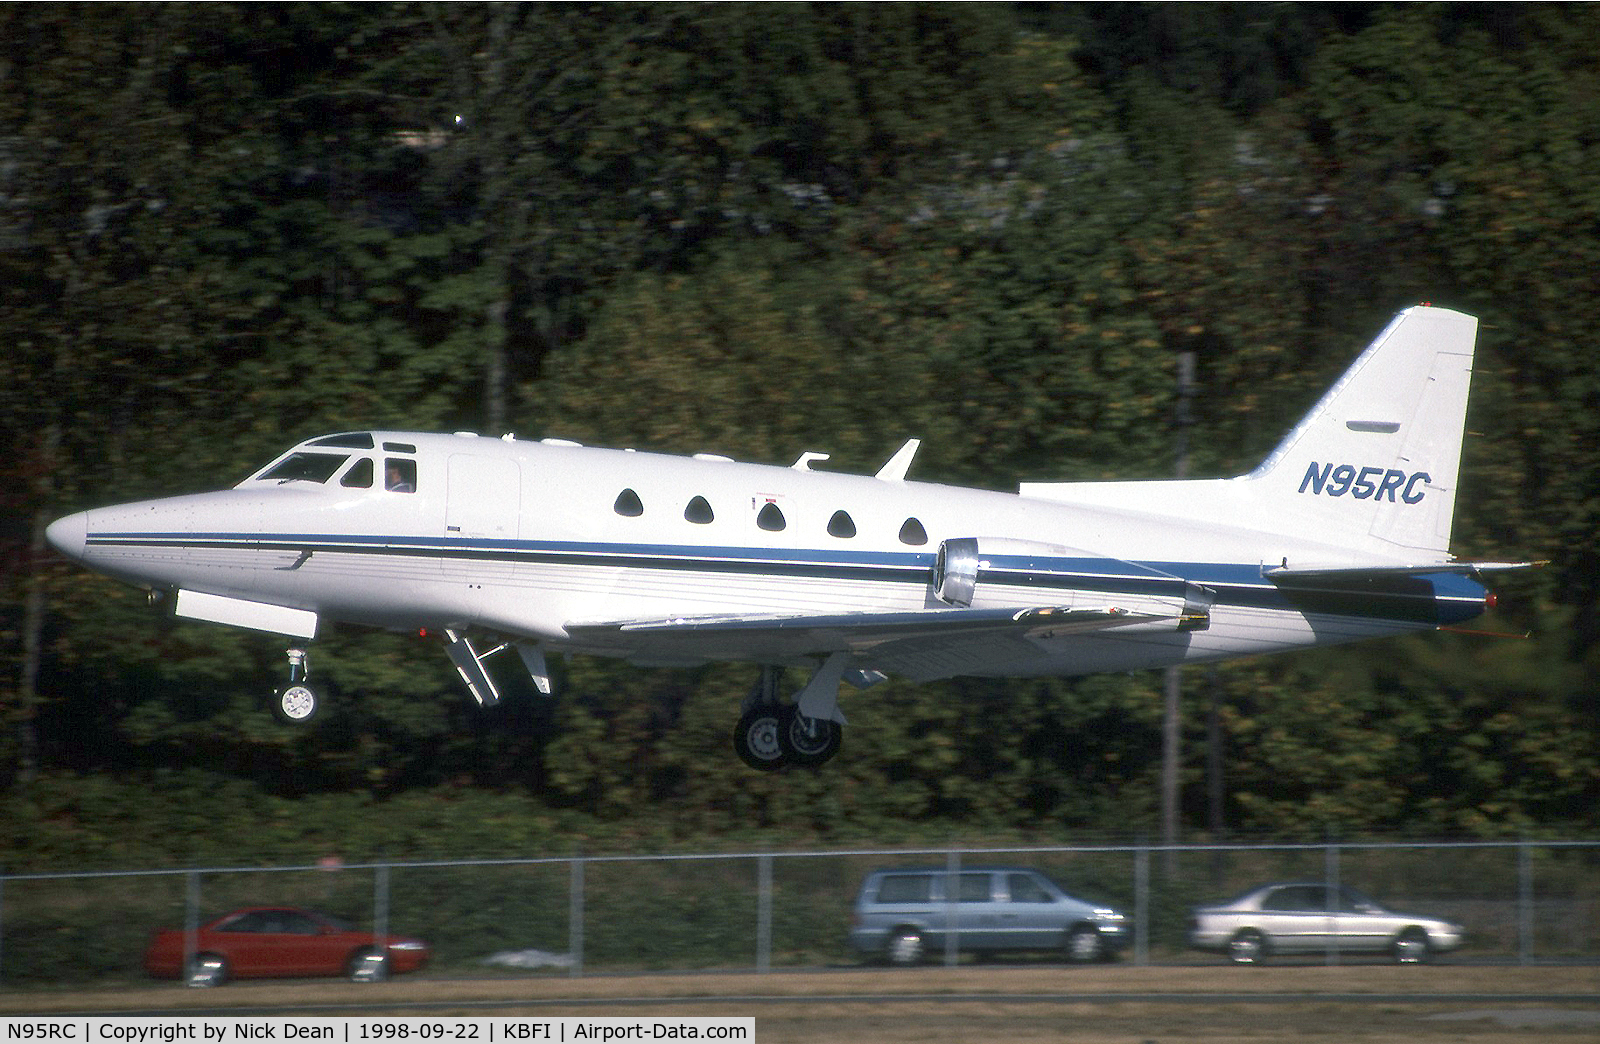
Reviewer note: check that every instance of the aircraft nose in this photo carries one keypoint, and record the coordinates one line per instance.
(67, 534)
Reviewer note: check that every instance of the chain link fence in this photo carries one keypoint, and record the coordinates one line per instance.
(1521, 902)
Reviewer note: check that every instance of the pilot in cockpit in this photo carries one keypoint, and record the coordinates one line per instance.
(400, 476)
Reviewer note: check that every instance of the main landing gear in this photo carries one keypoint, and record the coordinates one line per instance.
(768, 738)
(297, 702)
(772, 734)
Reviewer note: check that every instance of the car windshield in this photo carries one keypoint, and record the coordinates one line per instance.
(1238, 900)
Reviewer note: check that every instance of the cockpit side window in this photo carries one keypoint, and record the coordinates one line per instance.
(359, 474)
(305, 467)
(399, 475)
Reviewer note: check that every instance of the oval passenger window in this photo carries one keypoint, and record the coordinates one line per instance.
(771, 518)
(628, 504)
(912, 533)
(698, 511)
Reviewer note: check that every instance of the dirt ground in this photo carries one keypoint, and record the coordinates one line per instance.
(1121, 1004)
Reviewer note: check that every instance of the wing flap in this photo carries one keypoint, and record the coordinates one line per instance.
(912, 642)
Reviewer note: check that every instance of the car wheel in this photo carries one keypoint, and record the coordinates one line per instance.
(905, 948)
(368, 966)
(1412, 947)
(206, 969)
(1247, 947)
(1083, 946)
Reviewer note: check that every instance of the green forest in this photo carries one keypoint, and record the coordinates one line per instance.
(756, 230)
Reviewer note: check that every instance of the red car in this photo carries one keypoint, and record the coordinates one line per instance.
(279, 941)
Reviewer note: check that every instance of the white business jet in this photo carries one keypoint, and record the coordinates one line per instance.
(1342, 533)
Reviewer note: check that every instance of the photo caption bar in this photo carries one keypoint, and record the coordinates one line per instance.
(97, 1029)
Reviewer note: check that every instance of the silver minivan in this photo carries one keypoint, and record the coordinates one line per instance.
(905, 915)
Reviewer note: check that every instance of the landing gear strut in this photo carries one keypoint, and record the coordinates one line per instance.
(772, 734)
(296, 703)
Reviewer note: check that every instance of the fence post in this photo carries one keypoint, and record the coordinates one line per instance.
(1330, 864)
(2, 924)
(380, 914)
(191, 922)
(1141, 905)
(952, 892)
(764, 912)
(575, 920)
(1524, 904)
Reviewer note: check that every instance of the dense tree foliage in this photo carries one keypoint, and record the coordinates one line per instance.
(758, 230)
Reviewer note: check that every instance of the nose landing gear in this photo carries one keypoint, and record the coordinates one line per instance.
(296, 703)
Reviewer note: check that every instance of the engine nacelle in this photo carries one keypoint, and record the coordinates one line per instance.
(955, 572)
(962, 562)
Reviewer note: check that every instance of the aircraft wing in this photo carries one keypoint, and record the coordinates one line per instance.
(920, 644)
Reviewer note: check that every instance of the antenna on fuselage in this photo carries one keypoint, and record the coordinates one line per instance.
(895, 470)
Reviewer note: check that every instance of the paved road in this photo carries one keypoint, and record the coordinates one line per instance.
(1473, 986)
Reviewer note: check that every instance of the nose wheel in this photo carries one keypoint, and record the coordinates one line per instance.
(297, 702)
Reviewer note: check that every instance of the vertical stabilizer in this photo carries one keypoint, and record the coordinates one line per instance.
(1374, 465)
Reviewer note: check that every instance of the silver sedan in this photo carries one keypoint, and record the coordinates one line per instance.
(1313, 917)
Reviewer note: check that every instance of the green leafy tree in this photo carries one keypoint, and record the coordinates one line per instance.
(760, 231)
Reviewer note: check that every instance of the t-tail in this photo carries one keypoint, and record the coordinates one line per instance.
(1375, 465)
(1371, 471)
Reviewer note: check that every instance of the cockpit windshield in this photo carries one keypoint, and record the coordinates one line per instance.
(321, 459)
(304, 467)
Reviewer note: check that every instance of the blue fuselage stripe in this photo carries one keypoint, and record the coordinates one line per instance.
(1423, 599)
